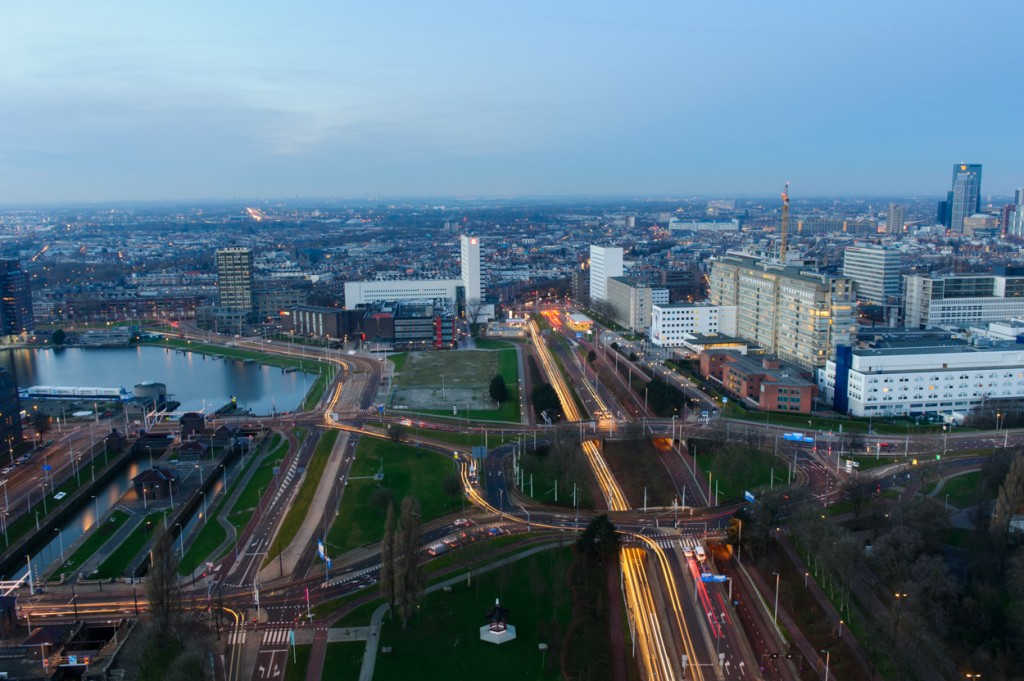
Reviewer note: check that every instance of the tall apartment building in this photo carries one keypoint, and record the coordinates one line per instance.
(965, 199)
(962, 299)
(605, 262)
(672, 324)
(234, 278)
(796, 313)
(894, 224)
(875, 272)
(15, 300)
(471, 269)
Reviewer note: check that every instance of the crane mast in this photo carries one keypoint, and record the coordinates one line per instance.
(785, 224)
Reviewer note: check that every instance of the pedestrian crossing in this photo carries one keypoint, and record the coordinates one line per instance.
(237, 637)
(275, 637)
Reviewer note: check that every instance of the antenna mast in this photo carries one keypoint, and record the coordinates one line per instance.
(785, 224)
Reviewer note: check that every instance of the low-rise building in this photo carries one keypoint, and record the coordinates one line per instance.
(923, 378)
(763, 383)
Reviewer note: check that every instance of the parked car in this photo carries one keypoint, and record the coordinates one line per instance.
(462, 522)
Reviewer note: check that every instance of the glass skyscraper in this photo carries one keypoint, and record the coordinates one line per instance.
(966, 195)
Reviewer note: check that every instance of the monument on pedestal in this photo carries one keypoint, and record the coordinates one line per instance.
(498, 631)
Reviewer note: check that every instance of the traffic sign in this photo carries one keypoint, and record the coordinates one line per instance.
(749, 496)
(47, 467)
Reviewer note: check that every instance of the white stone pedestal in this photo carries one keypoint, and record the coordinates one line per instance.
(498, 637)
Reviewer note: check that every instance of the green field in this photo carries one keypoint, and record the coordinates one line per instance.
(442, 640)
(408, 471)
(344, 660)
(737, 469)
(564, 465)
(99, 536)
(964, 490)
(304, 499)
(298, 661)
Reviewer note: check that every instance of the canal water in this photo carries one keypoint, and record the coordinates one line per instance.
(192, 378)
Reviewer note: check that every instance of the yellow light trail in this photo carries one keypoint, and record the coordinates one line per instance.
(614, 497)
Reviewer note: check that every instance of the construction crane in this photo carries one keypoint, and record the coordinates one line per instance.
(785, 224)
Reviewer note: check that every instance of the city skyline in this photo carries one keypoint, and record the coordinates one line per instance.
(110, 102)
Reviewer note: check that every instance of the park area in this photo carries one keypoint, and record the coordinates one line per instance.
(457, 383)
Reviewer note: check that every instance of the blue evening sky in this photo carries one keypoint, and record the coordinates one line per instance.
(107, 100)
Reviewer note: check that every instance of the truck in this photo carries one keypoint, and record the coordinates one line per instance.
(437, 549)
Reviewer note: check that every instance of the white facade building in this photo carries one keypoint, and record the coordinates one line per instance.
(672, 325)
(426, 290)
(605, 262)
(942, 379)
(875, 272)
(471, 269)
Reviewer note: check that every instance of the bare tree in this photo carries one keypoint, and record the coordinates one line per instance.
(387, 557)
(408, 577)
(1009, 501)
(162, 583)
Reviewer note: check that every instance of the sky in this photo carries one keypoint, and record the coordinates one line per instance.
(118, 100)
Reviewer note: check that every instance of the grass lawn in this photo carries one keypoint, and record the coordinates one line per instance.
(120, 558)
(636, 466)
(964, 490)
(298, 661)
(491, 344)
(567, 465)
(442, 640)
(495, 436)
(304, 499)
(99, 536)
(398, 359)
(344, 660)
(308, 364)
(738, 469)
(408, 471)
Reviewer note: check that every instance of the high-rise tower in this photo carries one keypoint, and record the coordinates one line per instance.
(895, 222)
(15, 299)
(966, 199)
(605, 262)
(471, 270)
(234, 278)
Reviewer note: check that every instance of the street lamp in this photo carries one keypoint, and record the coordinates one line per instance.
(945, 433)
(775, 617)
(60, 537)
(828, 655)
(527, 517)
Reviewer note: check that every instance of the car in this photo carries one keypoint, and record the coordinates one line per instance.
(462, 522)
(883, 445)
(5, 470)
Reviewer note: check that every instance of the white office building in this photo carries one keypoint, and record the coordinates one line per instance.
(963, 299)
(875, 272)
(605, 262)
(425, 290)
(673, 325)
(940, 379)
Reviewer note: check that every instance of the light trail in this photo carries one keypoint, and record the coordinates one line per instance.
(614, 498)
